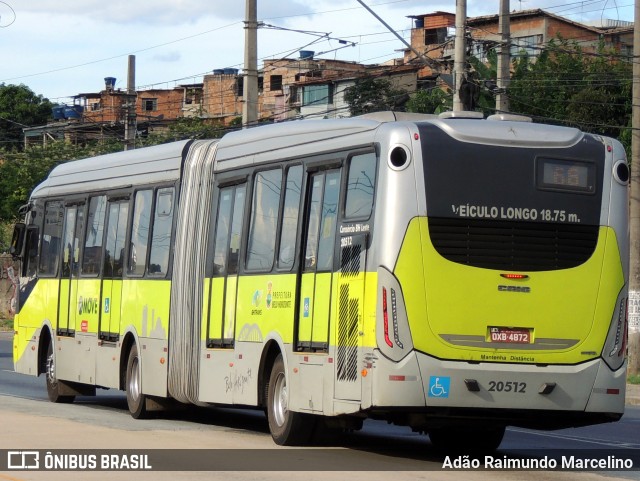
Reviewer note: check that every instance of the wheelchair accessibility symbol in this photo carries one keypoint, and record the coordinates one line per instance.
(439, 386)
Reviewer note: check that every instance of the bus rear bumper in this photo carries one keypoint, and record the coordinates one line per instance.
(590, 390)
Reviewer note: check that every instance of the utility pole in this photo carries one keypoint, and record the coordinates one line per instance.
(130, 106)
(460, 53)
(634, 217)
(250, 94)
(504, 59)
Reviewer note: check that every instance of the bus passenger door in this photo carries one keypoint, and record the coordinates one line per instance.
(224, 284)
(113, 266)
(68, 302)
(317, 268)
(351, 256)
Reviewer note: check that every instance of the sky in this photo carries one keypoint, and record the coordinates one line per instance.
(63, 48)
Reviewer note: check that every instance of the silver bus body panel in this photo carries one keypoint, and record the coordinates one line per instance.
(161, 163)
(582, 387)
(511, 134)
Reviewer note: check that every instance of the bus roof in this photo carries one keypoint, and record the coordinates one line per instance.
(269, 138)
(267, 143)
(278, 141)
(160, 163)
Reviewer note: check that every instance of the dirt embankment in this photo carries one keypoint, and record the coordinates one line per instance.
(8, 271)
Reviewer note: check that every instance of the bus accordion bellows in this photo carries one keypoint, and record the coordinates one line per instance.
(455, 275)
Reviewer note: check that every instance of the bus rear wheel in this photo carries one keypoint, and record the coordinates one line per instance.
(53, 385)
(287, 428)
(136, 401)
(469, 439)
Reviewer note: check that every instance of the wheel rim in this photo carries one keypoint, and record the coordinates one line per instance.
(51, 370)
(134, 380)
(280, 400)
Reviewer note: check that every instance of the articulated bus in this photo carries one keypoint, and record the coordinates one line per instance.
(455, 275)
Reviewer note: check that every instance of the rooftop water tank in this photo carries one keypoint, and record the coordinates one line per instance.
(73, 111)
(218, 71)
(58, 112)
(306, 54)
(109, 83)
(231, 71)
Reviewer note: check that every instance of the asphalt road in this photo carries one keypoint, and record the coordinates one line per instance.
(103, 422)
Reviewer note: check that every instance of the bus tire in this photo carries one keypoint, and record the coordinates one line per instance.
(53, 385)
(288, 428)
(136, 401)
(472, 439)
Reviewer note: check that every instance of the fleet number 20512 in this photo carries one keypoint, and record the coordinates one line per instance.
(508, 386)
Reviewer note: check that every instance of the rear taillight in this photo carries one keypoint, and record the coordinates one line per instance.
(620, 343)
(393, 334)
(625, 335)
(385, 314)
(615, 348)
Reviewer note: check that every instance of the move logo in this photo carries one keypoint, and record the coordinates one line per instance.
(88, 305)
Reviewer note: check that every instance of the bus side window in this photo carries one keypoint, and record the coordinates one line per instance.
(264, 219)
(139, 241)
(31, 251)
(161, 238)
(222, 230)
(51, 238)
(289, 225)
(235, 241)
(311, 251)
(114, 245)
(360, 186)
(92, 254)
(228, 230)
(328, 223)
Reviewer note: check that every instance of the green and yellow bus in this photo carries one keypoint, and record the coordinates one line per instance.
(455, 275)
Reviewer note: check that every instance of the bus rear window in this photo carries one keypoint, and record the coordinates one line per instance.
(570, 175)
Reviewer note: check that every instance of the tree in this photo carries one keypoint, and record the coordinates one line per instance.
(186, 128)
(20, 172)
(20, 107)
(371, 94)
(567, 86)
(432, 101)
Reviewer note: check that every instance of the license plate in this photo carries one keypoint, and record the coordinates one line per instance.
(510, 335)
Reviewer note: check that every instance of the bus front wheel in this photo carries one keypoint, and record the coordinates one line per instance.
(136, 401)
(53, 385)
(288, 428)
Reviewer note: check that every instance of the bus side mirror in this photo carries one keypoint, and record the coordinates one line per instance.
(17, 240)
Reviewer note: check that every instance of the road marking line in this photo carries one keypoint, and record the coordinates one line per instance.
(578, 438)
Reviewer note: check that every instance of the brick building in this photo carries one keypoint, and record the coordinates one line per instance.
(95, 114)
(285, 86)
(109, 104)
(222, 95)
(324, 98)
(291, 84)
(530, 30)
